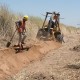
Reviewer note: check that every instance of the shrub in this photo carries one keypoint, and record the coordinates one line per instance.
(6, 19)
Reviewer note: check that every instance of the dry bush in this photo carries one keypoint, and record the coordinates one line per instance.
(66, 30)
(7, 25)
(6, 22)
(32, 25)
(36, 20)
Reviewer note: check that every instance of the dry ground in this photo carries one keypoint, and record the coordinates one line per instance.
(11, 63)
(45, 60)
(59, 64)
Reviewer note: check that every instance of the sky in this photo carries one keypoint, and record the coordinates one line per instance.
(69, 9)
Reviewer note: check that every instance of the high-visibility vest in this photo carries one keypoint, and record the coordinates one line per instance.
(20, 26)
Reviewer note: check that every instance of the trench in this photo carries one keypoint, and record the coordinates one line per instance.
(11, 63)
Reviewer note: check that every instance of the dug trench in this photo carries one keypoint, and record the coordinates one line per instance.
(11, 63)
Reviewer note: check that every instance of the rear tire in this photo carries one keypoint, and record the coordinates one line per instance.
(58, 36)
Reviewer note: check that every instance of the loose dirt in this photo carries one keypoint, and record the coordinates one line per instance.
(59, 64)
(11, 63)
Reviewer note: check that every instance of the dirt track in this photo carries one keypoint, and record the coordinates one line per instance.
(11, 63)
(60, 64)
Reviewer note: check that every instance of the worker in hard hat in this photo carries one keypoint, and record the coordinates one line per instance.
(54, 22)
(21, 30)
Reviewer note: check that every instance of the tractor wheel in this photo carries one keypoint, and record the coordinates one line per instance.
(58, 36)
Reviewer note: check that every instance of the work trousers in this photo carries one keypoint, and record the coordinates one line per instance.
(22, 37)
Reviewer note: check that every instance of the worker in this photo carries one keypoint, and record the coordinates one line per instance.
(21, 31)
(55, 20)
(53, 24)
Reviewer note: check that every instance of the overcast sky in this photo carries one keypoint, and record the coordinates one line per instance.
(69, 9)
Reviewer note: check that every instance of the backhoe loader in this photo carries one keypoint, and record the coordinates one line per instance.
(46, 32)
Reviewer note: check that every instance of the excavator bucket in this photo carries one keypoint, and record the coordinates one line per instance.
(42, 32)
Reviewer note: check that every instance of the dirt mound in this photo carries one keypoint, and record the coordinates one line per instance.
(74, 66)
(11, 63)
(41, 76)
(60, 64)
(76, 48)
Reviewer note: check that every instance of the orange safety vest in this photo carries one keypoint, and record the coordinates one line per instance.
(21, 27)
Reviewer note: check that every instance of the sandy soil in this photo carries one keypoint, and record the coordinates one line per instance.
(60, 64)
(11, 63)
